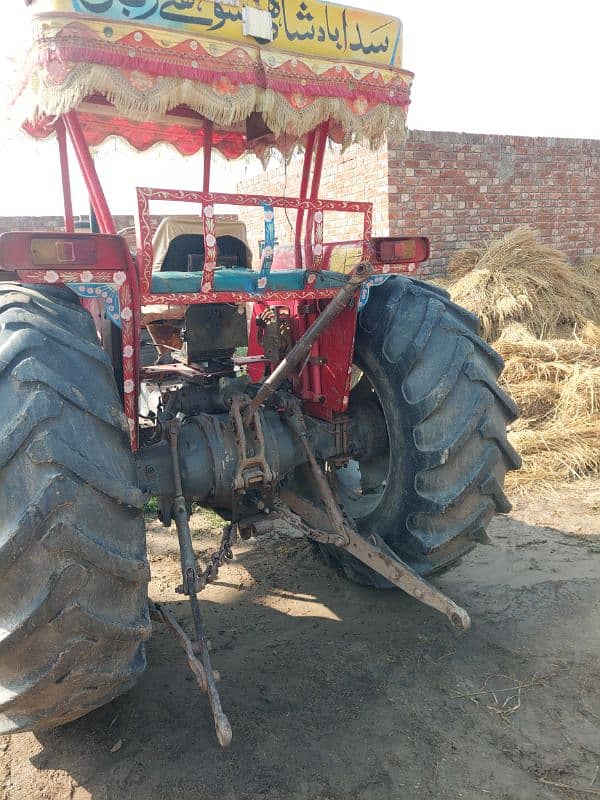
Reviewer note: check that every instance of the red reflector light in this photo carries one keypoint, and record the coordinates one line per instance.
(402, 250)
(49, 251)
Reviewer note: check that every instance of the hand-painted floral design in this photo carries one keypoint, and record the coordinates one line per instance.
(128, 351)
(50, 276)
(119, 278)
(126, 313)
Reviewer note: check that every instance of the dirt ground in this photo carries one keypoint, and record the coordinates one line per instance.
(337, 691)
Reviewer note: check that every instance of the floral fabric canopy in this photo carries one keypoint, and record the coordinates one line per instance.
(153, 71)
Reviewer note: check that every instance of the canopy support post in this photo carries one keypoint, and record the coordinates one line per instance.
(208, 147)
(323, 131)
(308, 157)
(88, 170)
(65, 176)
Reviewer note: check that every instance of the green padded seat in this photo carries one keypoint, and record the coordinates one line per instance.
(240, 280)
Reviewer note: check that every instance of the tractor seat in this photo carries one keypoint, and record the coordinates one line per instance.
(240, 280)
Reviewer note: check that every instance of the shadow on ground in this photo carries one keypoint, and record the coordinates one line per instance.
(337, 691)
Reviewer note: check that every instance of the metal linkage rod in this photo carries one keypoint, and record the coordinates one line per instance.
(190, 581)
(302, 347)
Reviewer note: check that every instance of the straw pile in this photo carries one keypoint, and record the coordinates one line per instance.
(543, 317)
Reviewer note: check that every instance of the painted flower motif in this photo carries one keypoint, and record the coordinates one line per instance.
(318, 249)
(194, 45)
(262, 282)
(360, 105)
(126, 313)
(140, 81)
(128, 386)
(311, 279)
(299, 100)
(412, 266)
(119, 278)
(318, 217)
(206, 287)
(268, 252)
(386, 268)
(269, 216)
(224, 85)
(209, 212)
(128, 351)
(98, 291)
(50, 276)
(138, 36)
(87, 276)
(210, 240)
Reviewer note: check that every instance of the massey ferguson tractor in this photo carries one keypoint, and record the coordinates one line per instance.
(311, 383)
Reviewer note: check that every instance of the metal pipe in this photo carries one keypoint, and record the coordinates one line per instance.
(64, 175)
(308, 155)
(314, 191)
(190, 577)
(88, 170)
(208, 146)
(303, 346)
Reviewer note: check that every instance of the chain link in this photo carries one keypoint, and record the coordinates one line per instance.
(217, 559)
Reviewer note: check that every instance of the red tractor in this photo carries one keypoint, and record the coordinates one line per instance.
(312, 383)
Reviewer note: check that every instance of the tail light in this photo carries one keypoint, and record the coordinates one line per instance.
(401, 249)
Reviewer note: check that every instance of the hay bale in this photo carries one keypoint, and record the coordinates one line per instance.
(463, 261)
(518, 279)
(590, 269)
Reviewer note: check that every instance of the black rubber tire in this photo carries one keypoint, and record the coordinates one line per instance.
(446, 417)
(73, 568)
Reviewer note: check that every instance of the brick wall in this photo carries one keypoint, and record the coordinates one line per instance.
(460, 189)
(355, 174)
(456, 188)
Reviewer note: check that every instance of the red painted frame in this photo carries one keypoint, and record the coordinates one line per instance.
(145, 254)
(323, 383)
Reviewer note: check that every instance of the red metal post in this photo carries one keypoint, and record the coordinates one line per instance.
(315, 353)
(88, 170)
(208, 146)
(65, 177)
(308, 156)
(314, 190)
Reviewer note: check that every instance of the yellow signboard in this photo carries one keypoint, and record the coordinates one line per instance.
(307, 27)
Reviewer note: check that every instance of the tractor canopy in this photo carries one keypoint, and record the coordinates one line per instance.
(261, 73)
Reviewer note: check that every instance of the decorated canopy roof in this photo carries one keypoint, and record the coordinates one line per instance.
(264, 72)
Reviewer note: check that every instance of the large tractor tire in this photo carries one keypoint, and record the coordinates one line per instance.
(437, 481)
(73, 568)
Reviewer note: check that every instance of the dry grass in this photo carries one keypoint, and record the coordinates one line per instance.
(463, 261)
(543, 317)
(590, 269)
(519, 279)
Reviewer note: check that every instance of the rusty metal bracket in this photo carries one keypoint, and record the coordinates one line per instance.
(190, 576)
(372, 551)
(252, 470)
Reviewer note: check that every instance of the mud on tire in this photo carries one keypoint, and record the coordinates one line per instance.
(73, 568)
(446, 417)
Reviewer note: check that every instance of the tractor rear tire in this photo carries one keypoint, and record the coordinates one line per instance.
(435, 382)
(73, 567)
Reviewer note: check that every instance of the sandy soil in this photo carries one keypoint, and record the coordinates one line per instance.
(336, 691)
